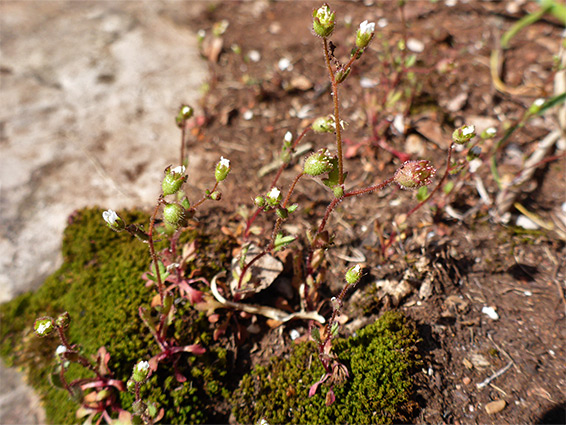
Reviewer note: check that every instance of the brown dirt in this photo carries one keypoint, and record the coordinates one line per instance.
(472, 260)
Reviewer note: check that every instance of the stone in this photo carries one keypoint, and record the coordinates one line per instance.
(495, 406)
(89, 95)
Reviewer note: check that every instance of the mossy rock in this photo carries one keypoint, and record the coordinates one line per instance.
(100, 285)
(380, 359)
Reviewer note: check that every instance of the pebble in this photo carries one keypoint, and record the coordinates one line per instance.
(284, 64)
(294, 334)
(254, 56)
(490, 312)
(495, 406)
(466, 380)
(415, 45)
(526, 223)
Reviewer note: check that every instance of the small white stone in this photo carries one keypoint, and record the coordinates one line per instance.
(284, 64)
(415, 45)
(526, 223)
(368, 83)
(248, 115)
(490, 312)
(294, 334)
(475, 164)
(254, 56)
(382, 23)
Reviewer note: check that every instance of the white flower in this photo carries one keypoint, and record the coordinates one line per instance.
(323, 13)
(60, 350)
(468, 130)
(179, 169)
(43, 327)
(142, 366)
(356, 269)
(288, 137)
(110, 217)
(539, 102)
(224, 162)
(274, 194)
(367, 27)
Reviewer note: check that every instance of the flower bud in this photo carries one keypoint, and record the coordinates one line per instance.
(282, 213)
(323, 21)
(259, 201)
(173, 180)
(173, 214)
(464, 134)
(323, 125)
(43, 326)
(63, 320)
(141, 371)
(274, 197)
(131, 385)
(216, 196)
(536, 106)
(338, 191)
(318, 163)
(60, 350)
(489, 133)
(414, 174)
(138, 407)
(354, 274)
(185, 112)
(341, 74)
(113, 220)
(222, 169)
(365, 34)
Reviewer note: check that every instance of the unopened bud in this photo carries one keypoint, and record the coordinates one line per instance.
(174, 179)
(323, 125)
(63, 320)
(414, 174)
(323, 21)
(536, 106)
(185, 112)
(341, 74)
(173, 214)
(365, 34)
(338, 191)
(464, 134)
(216, 196)
(222, 169)
(354, 274)
(259, 201)
(318, 163)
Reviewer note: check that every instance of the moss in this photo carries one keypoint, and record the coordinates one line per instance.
(380, 359)
(100, 285)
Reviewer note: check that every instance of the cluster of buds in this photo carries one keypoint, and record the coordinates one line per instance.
(318, 163)
(323, 21)
(464, 134)
(414, 174)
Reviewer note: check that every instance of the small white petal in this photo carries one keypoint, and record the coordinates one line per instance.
(294, 334)
(43, 327)
(467, 130)
(142, 366)
(110, 216)
(274, 193)
(288, 137)
(179, 169)
(60, 350)
(539, 102)
(284, 64)
(224, 162)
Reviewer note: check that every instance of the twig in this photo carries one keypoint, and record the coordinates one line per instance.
(497, 374)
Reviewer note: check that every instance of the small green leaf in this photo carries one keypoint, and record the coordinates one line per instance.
(422, 193)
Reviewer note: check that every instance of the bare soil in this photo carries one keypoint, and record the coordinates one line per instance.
(465, 258)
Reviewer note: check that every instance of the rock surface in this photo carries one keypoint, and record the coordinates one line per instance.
(89, 93)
